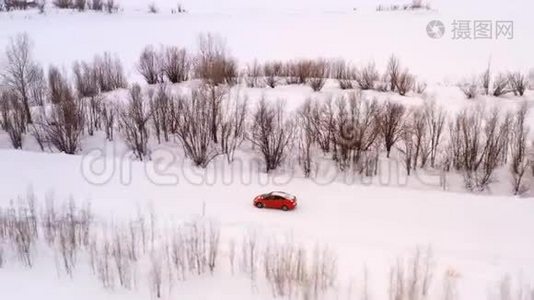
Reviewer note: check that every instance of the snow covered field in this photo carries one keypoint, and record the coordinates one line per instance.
(481, 245)
(481, 238)
(282, 30)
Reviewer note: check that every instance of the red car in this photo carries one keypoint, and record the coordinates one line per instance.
(278, 200)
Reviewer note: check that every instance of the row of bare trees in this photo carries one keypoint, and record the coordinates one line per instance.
(495, 85)
(50, 107)
(316, 72)
(109, 6)
(212, 63)
(118, 253)
(215, 66)
(215, 120)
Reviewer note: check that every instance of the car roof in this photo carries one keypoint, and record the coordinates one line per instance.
(282, 194)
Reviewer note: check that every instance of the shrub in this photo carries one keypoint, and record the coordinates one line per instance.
(111, 6)
(318, 71)
(519, 151)
(393, 73)
(176, 65)
(233, 125)
(21, 73)
(478, 140)
(518, 83)
(412, 278)
(64, 126)
(161, 109)
(344, 73)
(367, 77)
(213, 64)
(254, 75)
(150, 66)
(501, 85)
(80, 5)
(298, 72)
(194, 128)
(405, 83)
(133, 120)
(272, 72)
(58, 86)
(420, 87)
(85, 79)
(13, 118)
(271, 133)
(390, 122)
(470, 89)
(96, 5)
(63, 4)
(354, 127)
(109, 72)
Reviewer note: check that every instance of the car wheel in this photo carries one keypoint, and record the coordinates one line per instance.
(259, 205)
(285, 208)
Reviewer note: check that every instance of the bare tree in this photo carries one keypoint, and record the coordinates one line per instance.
(299, 71)
(160, 106)
(63, 4)
(518, 83)
(393, 72)
(501, 85)
(470, 89)
(194, 129)
(93, 113)
(150, 65)
(272, 72)
(410, 279)
(156, 275)
(305, 137)
(214, 64)
(111, 6)
(254, 75)
(133, 122)
(344, 73)
(435, 118)
(407, 147)
(177, 64)
(13, 117)
(477, 142)
(324, 126)
(96, 5)
(108, 118)
(21, 73)
(85, 79)
(390, 123)
(233, 125)
(417, 124)
(405, 82)
(318, 73)
(367, 77)
(518, 147)
(64, 126)
(356, 129)
(109, 72)
(214, 95)
(271, 133)
(80, 5)
(485, 79)
(213, 245)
